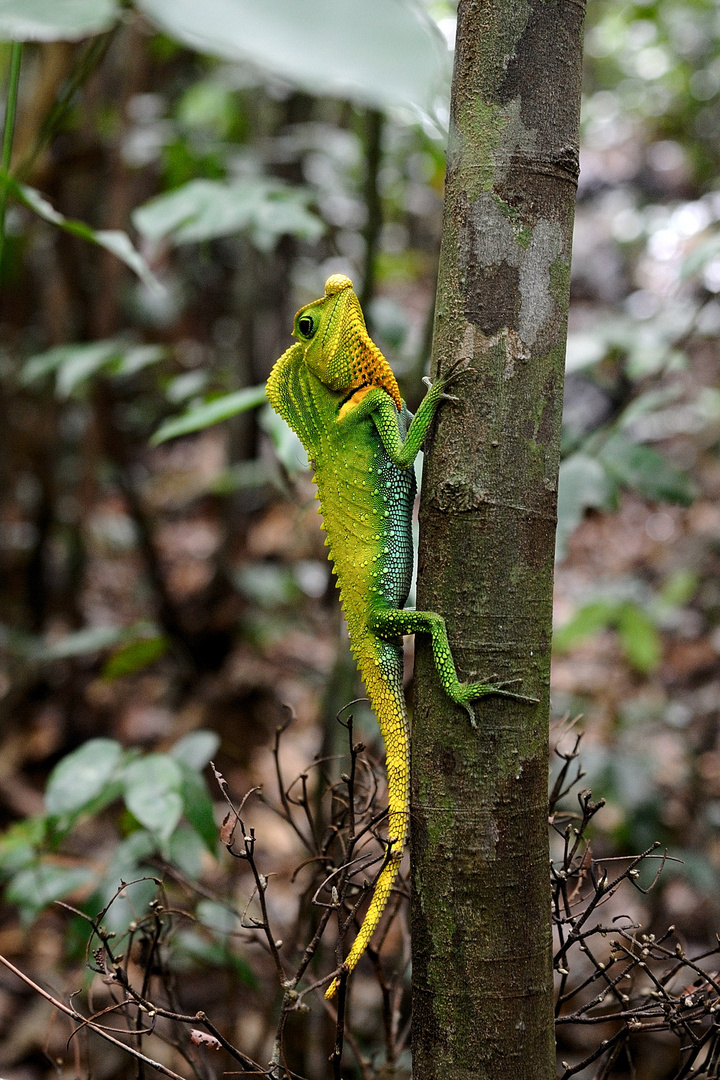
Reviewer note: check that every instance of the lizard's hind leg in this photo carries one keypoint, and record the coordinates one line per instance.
(393, 622)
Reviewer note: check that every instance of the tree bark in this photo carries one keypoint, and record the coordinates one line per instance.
(482, 977)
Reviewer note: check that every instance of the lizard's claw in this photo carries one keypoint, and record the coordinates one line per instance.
(443, 397)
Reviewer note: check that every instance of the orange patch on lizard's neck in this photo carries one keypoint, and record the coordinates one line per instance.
(354, 401)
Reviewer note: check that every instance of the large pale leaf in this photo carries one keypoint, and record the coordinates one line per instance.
(113, 240)
(377, 52)
(55, 20)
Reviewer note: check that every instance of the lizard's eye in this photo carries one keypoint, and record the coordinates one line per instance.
(306, 326)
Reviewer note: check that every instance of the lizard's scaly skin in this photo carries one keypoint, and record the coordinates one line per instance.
(337, 392)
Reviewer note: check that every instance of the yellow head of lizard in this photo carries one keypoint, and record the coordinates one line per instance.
(337, 346)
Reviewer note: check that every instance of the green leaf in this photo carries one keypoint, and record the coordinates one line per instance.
(135, 656)
(206, 209)
(152, 793)
(645, 470)
(196, 749)
(679, 588)
(55, 20)
(33, 889)
(191, 948)
(113, 240)
(639, 639)
(588, 620)
(380, 52)
(217, 916)
(210, 412)
(186, 850)
(198, 807)
(81, 776)
(126, 860)
(74, 364)
(582, 483)
(19, 842)
(133, 902)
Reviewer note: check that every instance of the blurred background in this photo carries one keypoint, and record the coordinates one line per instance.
(182, 185)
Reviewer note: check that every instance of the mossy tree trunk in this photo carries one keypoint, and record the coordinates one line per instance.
(482, 979)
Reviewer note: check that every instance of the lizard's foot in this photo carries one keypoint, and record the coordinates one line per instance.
(443, 397)
(472, 691)
(460, 367)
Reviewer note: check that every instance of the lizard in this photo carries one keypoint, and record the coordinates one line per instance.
(338, 393)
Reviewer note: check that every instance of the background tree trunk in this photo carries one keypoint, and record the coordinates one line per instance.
(482, 979)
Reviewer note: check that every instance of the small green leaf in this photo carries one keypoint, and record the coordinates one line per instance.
(126, 860)
(152, 793)
(81, 776)
(198, 807)
(125, 864)
(133, 902)
(588, 620)
(645, 470)
(639, 639)
(679, 589)
(196, 749)
(135, 656)
(19, 842)
(191, 948)
(582, 483)
(33, 889)
(55, 20)
(185, 850)
(217, 916)
(210, 412)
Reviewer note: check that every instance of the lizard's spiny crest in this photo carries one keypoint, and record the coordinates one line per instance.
(337, 346)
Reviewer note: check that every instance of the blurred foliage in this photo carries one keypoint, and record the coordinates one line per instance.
(179, 185)
(159, 791)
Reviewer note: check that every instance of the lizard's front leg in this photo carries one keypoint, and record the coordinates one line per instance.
(393, 622)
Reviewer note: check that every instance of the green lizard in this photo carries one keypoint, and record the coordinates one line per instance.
(338, 393)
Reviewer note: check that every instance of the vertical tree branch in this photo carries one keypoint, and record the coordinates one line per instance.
(10, 110)
(482, 984)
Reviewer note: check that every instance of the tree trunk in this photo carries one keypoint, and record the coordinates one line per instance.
(482, 978)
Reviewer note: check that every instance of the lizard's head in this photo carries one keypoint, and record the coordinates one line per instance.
(338, 349)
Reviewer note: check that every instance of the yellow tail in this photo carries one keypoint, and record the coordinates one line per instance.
(387, 699)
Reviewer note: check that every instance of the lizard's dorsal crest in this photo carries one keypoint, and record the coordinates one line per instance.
(337, 346)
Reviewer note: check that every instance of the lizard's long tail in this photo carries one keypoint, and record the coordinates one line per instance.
(385, 691)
